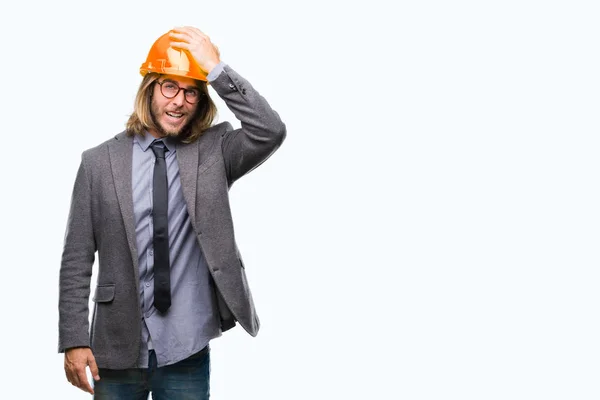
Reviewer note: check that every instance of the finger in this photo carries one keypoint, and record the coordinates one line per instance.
(72, 378)
(94, 368)
(194, 32)
(181, 36)
(187, 31)
(70, 375)
(83, 382)
(180, 45)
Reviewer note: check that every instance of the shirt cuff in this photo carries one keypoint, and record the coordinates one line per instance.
(216, 71)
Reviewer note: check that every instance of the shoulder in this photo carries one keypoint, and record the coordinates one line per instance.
(212, 135)
(100, 151)
(219, 129)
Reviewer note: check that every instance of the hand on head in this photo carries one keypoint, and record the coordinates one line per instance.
(198, 44)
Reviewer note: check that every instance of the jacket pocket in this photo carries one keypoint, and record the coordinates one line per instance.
(104, 293)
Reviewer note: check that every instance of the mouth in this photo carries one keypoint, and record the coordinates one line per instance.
(174, 115)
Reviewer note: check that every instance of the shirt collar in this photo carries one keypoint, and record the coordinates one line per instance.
(145, 140)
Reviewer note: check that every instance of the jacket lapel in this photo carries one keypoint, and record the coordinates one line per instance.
(187, 159)
(120, 152)
(193, 159)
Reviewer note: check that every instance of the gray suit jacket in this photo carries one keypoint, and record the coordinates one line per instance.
(101, 220)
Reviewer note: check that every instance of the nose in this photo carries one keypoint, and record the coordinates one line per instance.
(179, 97)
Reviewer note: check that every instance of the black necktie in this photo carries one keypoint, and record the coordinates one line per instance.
(162, 274)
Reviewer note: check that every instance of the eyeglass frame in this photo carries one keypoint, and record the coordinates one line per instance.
(179, 89)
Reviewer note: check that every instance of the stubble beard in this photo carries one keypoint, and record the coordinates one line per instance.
(165, 131)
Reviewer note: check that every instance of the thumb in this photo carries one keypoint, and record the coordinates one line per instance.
(93, 367)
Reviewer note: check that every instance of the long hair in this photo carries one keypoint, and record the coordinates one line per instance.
(141, 118)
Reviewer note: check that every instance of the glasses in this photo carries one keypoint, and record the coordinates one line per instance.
(170, 89)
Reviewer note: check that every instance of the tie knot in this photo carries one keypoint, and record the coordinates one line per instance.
(159, 149)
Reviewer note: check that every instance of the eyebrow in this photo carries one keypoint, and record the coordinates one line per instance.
(186, 88)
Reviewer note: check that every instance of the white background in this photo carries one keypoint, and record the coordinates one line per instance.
(429, 229)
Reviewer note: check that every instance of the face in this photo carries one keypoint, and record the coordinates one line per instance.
(172, 115)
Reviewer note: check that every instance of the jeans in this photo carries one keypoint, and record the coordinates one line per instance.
(186, 380)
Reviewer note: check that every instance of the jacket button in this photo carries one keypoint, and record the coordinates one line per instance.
(232, 86)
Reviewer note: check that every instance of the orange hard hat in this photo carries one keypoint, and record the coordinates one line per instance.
(164, 59)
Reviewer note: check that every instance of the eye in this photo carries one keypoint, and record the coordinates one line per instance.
(170, 86)
(192, 93)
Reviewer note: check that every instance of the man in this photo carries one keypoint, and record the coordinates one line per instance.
(153, 202)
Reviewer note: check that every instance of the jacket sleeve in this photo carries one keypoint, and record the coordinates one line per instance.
(76, 266)
(261, 132)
